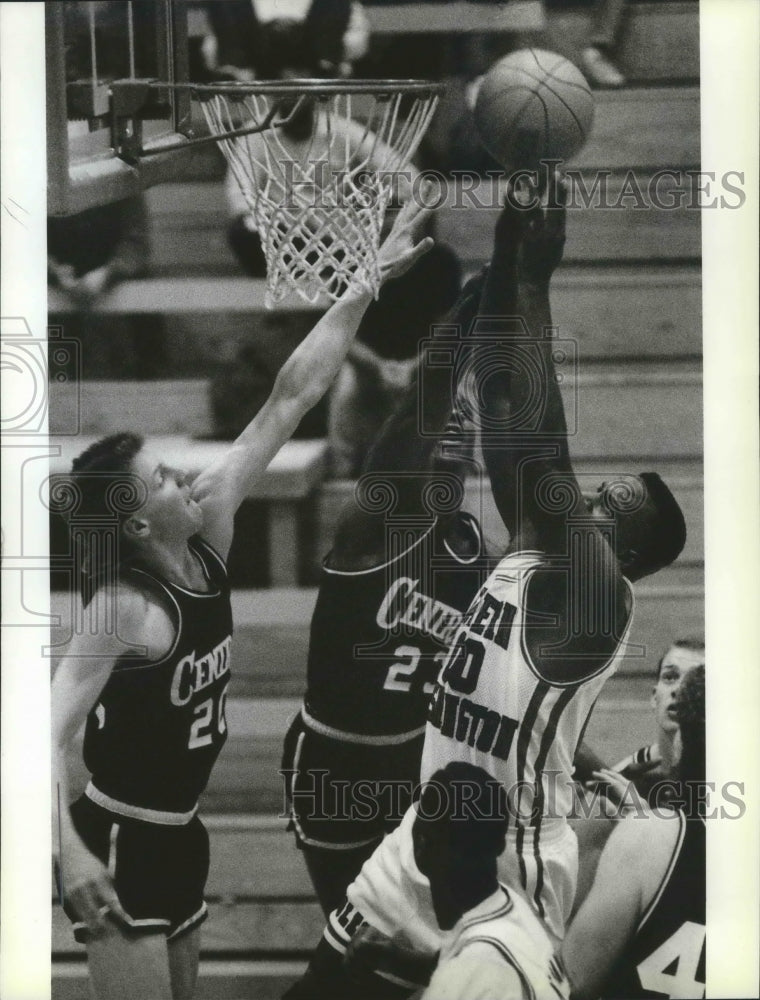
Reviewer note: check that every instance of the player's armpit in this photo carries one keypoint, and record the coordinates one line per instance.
(471, 978)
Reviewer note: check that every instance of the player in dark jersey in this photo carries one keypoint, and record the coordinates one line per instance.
(149, 672)
(641, 930)
(405, 563)
(654, 764)
(649, 775)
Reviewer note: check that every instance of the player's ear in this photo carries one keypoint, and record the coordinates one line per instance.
(136, 528)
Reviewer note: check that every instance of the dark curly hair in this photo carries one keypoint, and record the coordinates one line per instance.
(690, 711)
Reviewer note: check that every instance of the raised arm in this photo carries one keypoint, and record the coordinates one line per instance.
(302, 381)
(580, 601)
(401, 452)
(522, 402)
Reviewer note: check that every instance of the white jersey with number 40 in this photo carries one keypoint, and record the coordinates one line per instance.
(519, 685)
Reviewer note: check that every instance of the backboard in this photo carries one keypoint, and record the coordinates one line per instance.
(88, 46)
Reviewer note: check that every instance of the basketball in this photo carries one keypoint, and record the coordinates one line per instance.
(533, 105)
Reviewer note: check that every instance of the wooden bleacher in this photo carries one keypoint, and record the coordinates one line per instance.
(659, 42)
(171, 413)
(455, 17)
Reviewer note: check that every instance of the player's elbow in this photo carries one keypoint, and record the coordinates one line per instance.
(297, 388)
(63, 736)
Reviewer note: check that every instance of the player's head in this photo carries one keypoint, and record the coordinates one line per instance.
(650, 530)
(118, 478)
(690, 713)
(458, 834)
(678, 661)
(453, 450)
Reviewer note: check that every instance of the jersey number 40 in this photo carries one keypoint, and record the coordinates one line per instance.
(672, 968)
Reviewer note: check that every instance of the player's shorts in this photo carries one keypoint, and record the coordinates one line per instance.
(343, 794)
(159, 871)
(393, 895)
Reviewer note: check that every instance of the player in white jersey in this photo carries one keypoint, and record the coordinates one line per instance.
(547, 628)
(493, 943)
(549, 625)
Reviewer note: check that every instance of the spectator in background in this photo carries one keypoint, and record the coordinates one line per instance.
(244, 37)
(597, 57)
(90, 252)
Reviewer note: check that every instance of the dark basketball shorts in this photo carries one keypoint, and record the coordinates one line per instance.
(342, 794)
(159, 871)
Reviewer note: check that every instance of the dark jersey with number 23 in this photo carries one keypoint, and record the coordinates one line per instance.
(379, 636)
(157, 729)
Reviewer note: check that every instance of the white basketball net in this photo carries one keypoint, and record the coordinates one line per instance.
(318, 204)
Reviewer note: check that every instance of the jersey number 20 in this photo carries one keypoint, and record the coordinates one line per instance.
(202, 729)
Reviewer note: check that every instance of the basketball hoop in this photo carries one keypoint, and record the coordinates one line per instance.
(318, 205)
(318, 201)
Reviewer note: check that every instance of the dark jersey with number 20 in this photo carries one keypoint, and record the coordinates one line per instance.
(157, 729)
(379, 636)
(667, 956)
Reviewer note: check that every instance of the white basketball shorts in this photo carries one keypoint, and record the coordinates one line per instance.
(391, 893)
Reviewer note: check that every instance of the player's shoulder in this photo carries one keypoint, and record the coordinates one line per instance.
(361, 543)
(553, 598)
(142, 614)
(514, 567)
(646, 840)
(647, 848)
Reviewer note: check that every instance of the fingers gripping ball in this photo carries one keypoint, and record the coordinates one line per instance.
(533, 105)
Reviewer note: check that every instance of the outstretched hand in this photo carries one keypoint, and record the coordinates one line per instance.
(402, 247)
(543, 233)
(532, 226)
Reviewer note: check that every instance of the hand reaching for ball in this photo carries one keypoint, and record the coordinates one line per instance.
(531, 229)
(542, 231)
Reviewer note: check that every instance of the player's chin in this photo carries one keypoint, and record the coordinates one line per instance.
(194, 514)
(669, 721)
